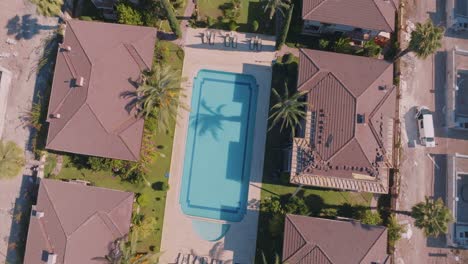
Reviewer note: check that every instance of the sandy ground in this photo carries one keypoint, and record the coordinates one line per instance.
(238, 246)
(22, 34)
(423, 170)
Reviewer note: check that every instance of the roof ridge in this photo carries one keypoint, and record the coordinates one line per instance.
(127, 147)
(319, 70)
(130, 47)
(300, 234)
(54, 209)
(79, 43)
(323, 252)
(108, 221)
(313, 9)
(375, 241)
(380, 11)
(116, 206)
(66, 123)
(371, 115)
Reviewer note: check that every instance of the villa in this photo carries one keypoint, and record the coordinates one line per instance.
(347, 143)
(97, 63)
(457, 89)
(457, 200)
(73, 223)
(325, 241)
(360, 20)
(457, 15)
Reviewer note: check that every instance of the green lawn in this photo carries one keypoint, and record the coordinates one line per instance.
(159, 168)
(318, 201)
(250, 10)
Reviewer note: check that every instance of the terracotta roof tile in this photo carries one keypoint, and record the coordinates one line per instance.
(324, 241)
(93, 116)
(367, 14)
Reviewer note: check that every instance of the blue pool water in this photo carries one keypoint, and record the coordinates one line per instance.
(219, 146)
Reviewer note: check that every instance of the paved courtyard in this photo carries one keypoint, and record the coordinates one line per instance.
(238, 246)
(22, 36)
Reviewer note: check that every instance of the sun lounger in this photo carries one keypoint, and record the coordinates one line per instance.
(213, 36)
(234, 42)
(259, 45)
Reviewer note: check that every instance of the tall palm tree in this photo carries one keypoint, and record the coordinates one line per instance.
(289, 110)
(432, 216)
(11, 159)
(158, 95)
(426, 39)
(272, 6)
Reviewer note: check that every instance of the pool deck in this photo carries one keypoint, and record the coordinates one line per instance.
(239, 244)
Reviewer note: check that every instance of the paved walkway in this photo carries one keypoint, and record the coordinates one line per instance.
(239, 244)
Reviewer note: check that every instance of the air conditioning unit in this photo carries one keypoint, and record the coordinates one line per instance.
(51, 258)
(80, 81)
(39, 214)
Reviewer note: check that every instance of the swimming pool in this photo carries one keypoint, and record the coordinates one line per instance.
(219, 146)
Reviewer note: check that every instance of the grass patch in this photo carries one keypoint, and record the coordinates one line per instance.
(318, 201)
(251, 10)
(51, 162)
(157, 170)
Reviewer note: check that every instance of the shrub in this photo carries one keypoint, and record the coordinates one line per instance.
(126, 14)
(171, 17)
(288, 58)
(284, 31)
(370, 218)
(143, 199)
(233, 26)
(178, 3)
(160, 186)
(342, 45)
(147, 226)
(98, 163)
(329, 213)
(85, 18)
(11, 159)
(48, 7)
(370, 49)
(296, 205)
(395, 231)
(255, 26)
(276, 225)
(162, 54)
(210, 21)
(323, 44)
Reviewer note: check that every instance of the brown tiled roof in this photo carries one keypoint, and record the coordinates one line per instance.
(341, 87)
(310, 240)
(93, 118)
(366, 14)
(78, 224)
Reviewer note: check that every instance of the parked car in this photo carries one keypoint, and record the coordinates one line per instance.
(425, 126)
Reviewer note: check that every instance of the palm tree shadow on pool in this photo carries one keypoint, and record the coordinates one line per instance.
(210, 119)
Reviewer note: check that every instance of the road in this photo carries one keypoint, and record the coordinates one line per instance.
(423, 170)
(22, 35)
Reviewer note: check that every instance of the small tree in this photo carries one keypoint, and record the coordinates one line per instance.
(289, 110)
(126, 14)
(273, 6)
(426, 39)
(370, 218)
(324, 43)
(49, 7)
(285, 30)
(11, 159)
(432, 216)
(370, 49)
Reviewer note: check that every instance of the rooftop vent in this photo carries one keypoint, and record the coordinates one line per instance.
(38, 214)
(57, 116)
(80, 81)
(383, 87)
(361, 118)
(67, 48)
(52, 258)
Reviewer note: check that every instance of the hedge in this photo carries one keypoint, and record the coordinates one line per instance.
(171, 17)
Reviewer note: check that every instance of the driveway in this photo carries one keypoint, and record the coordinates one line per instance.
(22, 37)
(423, 170)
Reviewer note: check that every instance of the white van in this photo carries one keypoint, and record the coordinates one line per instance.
(425, 127)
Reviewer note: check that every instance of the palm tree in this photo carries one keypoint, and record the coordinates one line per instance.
(432, 216)
(158, 95)
(11, 159)
(289, 110)
(272, 6)
(426, 39)
(123, 251)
